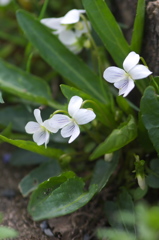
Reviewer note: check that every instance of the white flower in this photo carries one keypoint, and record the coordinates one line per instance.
(79, 116)
(4, 2)
(124, 79)
(40, 130)
(68, 30)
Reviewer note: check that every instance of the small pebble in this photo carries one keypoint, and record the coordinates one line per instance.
(48, 232)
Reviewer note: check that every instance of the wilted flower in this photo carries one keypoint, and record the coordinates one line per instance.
(4, 2)
(69, 29)
(70, 125)
(124, 79)
(40, 130)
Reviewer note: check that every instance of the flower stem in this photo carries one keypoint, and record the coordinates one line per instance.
(41, 15)
(150, 76)
(58, 111)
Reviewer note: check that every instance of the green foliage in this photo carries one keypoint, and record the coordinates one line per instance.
(59, 196)
(39, 175)
(57, 190)
(120, 137)
(107, 28)
(6, 232)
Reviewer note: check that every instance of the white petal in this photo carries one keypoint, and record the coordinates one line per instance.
(114, 74)
(67, 37)
(54, 23)
(75, 48)
(84, 116)
(130, 61)
(41, 137)
(4, 2)
(59, 121)
(139, 71)
(74, 105)
(32, 127)
(72, 130)
(72, 16)
(47, 125)
(37, 115)
(125, 86)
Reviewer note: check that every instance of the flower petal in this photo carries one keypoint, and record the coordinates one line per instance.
(59, 121)
(74, 105)
(47, 125)
(114, 74)
(32, 127)
(84, 116)
(54, 23)
(67, 37)
(72, 16)
(41, 137)
(139, 71)
(37, 115)
(130, 61)
(125, 86)
(4, 2)
(72, 129)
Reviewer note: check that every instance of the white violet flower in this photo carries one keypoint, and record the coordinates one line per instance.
(69, 29)
(70, 125)
(4, 2)
(40, 130)
(124, 79)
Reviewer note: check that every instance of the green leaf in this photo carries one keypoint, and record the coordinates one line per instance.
(33, 147)
(108, 30)
(150, 115)
(1, 98)
(153, 177)
(125, 204)
(39, 175)
(59, 57)
(103, 170)
(120, 137)
(114, 234)
(59, 196)
(21, 157)
(15, 81)
(103, 113)
(6, 232)
(137, 34)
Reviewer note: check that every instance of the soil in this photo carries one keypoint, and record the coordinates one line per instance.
(80, 225)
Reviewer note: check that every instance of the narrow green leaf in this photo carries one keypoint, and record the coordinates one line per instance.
(103, 170)
(150, 115)
(137, 34)
(6, 232)
(39, 175)
(108, 30)
(59, 57)
(107, 118)
(1, 98)
(15, 81)
(125, 204)
(120, 137)
(153, 177)
(59, 196)
(33, 147)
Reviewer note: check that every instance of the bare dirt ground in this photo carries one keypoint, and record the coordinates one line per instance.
(80, 225)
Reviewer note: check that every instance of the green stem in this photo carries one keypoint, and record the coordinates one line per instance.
(43, 10)
(150, 76)
(41, 15)
(90, 134)
(58, 111)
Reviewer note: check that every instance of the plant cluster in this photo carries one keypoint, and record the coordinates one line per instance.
(99, 125)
